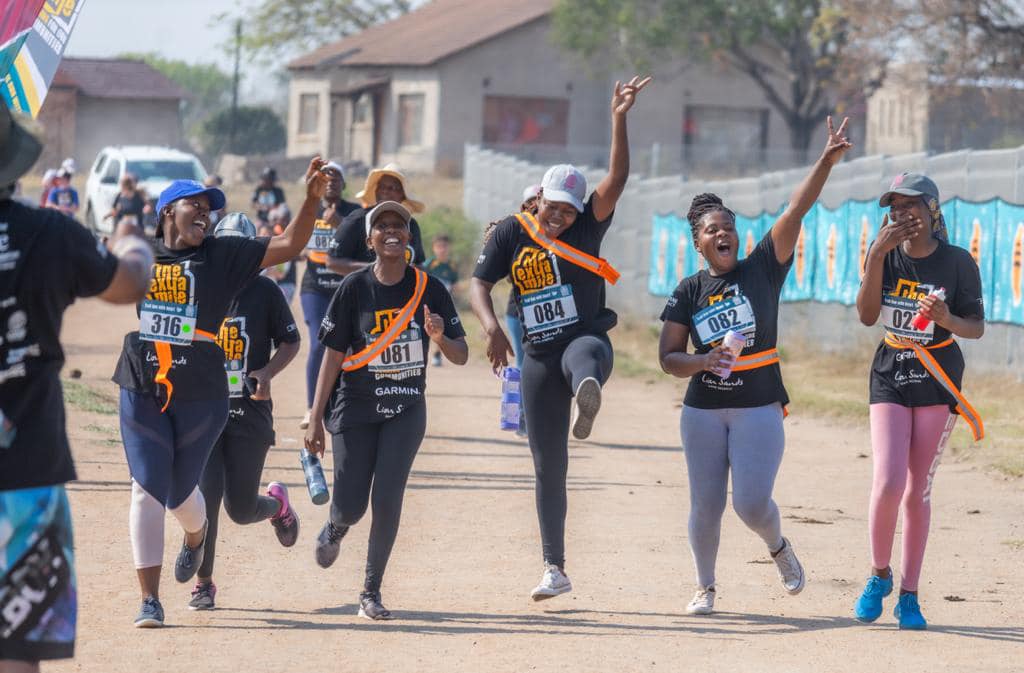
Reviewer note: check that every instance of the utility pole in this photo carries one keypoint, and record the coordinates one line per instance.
(234, 87)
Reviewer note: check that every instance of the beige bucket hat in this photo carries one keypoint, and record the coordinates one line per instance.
(368, 196)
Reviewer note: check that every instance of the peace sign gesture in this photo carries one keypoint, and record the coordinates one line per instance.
(838, 143)
(625, 94)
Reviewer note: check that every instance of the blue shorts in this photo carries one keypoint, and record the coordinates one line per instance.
(38, 595)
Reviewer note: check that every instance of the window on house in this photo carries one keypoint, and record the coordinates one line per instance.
(516, 120)
(732, 131)
(362, 109)
(309, 109)
(410, 119)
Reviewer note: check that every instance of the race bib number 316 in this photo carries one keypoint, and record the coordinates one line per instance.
(172, 323)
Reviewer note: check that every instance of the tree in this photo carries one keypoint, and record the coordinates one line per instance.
(801, 53)
(208, 87)
(259, 131)
(276, 27)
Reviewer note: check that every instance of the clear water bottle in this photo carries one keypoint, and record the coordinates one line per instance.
(511, 398)
(734, 343)
(315, 481)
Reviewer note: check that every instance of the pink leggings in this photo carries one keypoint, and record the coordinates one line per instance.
(907, 444)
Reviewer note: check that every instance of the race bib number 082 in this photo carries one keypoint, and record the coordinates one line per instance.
(734, 313)
(171, 323)
(549, 309)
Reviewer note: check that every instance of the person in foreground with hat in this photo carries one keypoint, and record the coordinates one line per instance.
(174, 393)
(553, 262)
(925, 292)
(731, 422)
(48, 261)
(371, 390)
(258, 322)
(319, 282)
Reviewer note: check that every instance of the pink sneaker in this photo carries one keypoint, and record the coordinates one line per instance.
(285, 522)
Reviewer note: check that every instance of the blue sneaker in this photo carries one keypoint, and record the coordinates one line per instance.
(869, 605)
(909, 613)
(151, 614)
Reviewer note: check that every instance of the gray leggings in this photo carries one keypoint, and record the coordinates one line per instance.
(749, 442)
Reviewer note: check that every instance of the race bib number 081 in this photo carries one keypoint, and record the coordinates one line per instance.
(897, 316)
(403, 354)
(171, 323)
(734, 313)
(549, 309)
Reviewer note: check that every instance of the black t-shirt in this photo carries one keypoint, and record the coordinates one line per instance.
(317, 277)
(131, 205)
(201, 281)
(555, 299)
(258, 321)
(267, 199)
(350, 240)
(395, 380)
(745, 300)
(896, 374)
(46, 261)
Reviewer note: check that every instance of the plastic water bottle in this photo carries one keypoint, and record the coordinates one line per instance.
(733, 342)
(315, 481)
(920, 323)
(510, 398)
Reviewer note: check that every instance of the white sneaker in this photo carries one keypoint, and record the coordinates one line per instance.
(585, 407)
(304, 423)
(703, 602)
(790, 571)
(553, 583)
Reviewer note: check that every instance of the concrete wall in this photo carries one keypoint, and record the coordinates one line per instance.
(318, 142)
(58, 119)
(107, 121)
(493, 184)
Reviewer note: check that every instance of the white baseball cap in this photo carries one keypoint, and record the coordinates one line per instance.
(385, 207)
(530, 192)
(564, 183)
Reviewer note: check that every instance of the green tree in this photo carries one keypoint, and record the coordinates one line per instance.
(277, 27)
(257, 131)
(802, 54)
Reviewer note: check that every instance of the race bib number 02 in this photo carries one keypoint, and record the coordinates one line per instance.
(549, 309)
(898, 315)
(172, 323)
(404, 354)
(734, 313)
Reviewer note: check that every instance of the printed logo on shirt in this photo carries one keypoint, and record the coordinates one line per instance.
(382, 319)
(533, 270)
(234, 341)
(172, 284)
(912, 289)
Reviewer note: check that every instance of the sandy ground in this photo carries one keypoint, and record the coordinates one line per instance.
(468, 554)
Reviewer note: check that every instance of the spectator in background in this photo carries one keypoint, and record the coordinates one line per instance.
(63, 196)
(267, 195)
(282, 274)
(439, 266)
(214, 180)
(49, 178)
(69, 166)
(129, 202)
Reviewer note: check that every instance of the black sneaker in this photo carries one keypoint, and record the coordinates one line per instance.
(370, 606)
(328, 544)
(202, 596)
(190, 559)
(151, 614)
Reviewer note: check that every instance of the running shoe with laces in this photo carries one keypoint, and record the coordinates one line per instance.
(790, 571)
(869, 605)
(304, 423)
(370, 606)
(286, 521)
(586, 404)
(908, 612)
(553, 582)
(151, 614)
(203, 596)
(328, 544)
(703, 602)
(189, 559)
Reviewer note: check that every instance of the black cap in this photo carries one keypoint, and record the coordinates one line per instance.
(910, 184)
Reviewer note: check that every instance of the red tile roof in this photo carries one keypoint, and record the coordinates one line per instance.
(427, 35)
(115, 78)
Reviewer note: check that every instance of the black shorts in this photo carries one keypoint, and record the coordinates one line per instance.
(38, 595)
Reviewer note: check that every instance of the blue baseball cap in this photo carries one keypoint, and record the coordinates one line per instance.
(181, 189)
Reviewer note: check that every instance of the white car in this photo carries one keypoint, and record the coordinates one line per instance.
(154, 168)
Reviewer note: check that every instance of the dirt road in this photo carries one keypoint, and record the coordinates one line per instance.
(468, 554)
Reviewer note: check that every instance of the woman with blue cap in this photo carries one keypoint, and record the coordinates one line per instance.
(174, 393)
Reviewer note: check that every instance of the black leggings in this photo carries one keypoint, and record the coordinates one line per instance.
(233, 473)
(548, 385)
(380, 454)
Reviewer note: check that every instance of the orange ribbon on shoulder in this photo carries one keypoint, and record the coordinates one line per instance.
(397, 326)
(595, 265)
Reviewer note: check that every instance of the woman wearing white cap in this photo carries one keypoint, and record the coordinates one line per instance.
(319, 281)
(560, 295)
(371, 390)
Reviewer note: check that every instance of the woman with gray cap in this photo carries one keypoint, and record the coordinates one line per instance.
(259, 338)
(174, 392)
(371, 390)
(558, 280)
(925, 292)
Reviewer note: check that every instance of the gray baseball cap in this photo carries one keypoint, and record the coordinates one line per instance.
(910, 184)
(235, 224)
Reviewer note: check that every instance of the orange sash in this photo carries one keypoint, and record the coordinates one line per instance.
(397, 326)
(595, 265)
(165, 357)
(757, 360)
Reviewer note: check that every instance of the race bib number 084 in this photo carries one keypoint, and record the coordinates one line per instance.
(549, 309)
(172, 323)
(734, 313)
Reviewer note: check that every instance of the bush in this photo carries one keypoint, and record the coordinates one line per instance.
(465, 236)
(258, 131)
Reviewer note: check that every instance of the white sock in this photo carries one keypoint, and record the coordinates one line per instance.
(146, 528)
